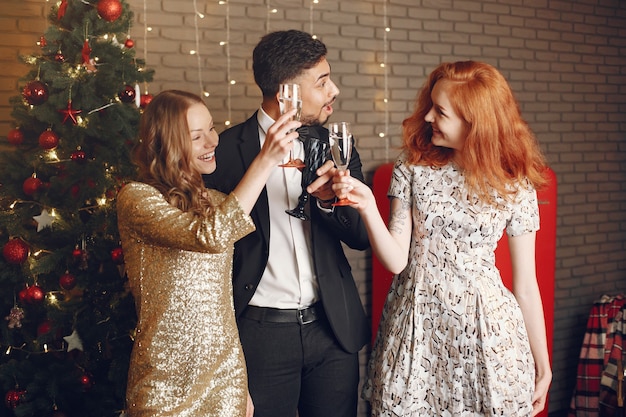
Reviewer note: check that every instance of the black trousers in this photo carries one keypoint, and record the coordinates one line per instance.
(301, 367)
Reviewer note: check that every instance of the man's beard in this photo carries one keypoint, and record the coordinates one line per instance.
(311, 121)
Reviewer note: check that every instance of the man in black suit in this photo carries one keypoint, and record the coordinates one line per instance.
(300, 318)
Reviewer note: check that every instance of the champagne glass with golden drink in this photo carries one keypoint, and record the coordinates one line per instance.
(340, 139)
(289, 98)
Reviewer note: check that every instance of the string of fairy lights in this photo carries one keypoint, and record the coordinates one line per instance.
(313, 3)
(146, 29)
(386, 29)
(198, 15)
(229, 78)
(269, 13)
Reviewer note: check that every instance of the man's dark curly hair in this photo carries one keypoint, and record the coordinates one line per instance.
(282, 56)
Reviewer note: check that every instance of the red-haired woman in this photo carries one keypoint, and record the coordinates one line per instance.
(178, 239)
(453, 340)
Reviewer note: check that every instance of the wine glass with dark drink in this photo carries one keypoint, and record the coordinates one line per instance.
(315, 154)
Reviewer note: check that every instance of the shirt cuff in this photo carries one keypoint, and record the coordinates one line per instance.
(327, 210)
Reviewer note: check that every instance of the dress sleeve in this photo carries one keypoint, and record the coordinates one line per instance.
(147, 216)
(400, 186)
(524, 212)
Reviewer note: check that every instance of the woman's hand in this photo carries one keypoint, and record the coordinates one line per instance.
(249, 407)
(346, 186)
(278, 142)
(391, 246)
(540, 395)
(279, 138)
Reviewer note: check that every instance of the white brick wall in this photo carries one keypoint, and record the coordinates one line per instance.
(566, 61)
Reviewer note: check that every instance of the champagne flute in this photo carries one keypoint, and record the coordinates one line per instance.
(340, 139)
(289, 98)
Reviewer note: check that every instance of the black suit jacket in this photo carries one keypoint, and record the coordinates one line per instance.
(237, 148)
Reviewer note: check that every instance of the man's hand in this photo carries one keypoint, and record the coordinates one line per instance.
(321, 188)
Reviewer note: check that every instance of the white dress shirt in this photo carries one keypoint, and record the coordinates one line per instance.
(289, 277)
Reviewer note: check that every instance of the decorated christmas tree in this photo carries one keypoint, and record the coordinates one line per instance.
(68, 318)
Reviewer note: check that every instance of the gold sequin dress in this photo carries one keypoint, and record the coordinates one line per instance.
(187, 359)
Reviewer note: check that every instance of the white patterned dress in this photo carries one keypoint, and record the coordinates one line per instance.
(452, 340)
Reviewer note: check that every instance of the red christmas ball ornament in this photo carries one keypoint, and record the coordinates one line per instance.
(75, 190)
(59, 57)
(13, 398)
(67, 281)
(78, 156)
(31, 185)
(23, 296)
(129, 43)
(48, 139)
(35, 294)
(44, 327)
(77, 254)
(127, 95)
(16, 251)
(42, 41)
(109, 10)
(144, 100)
(117, 255)
(62, 9)
(15, 136)
(35, 93)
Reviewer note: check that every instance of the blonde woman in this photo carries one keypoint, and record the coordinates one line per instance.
(178, 239)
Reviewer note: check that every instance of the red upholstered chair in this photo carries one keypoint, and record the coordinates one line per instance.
(545, 252)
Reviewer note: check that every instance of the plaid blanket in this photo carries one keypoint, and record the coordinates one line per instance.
(601, 361)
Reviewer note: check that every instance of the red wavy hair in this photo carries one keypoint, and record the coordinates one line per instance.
(500, 150)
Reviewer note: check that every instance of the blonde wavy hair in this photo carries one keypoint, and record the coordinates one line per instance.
(500, 151)
(164, 152)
